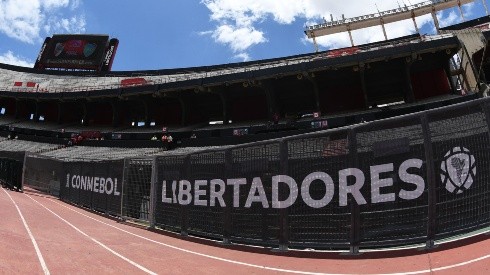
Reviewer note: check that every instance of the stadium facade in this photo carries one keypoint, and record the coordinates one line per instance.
(376, 145)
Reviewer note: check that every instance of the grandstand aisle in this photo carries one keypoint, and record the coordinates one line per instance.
(67, 251)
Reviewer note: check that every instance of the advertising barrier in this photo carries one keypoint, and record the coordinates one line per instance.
(42, 173)
(407, 180)
(10, 173)
(414, 179)
(95, 185)
(137, 189)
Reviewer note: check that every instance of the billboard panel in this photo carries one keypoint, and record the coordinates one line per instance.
(74, 52)
(109, 55)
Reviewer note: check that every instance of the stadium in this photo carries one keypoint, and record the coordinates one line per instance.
(380, 145)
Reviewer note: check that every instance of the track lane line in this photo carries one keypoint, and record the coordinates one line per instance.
(142, 268)
(31, 236)
(429, 270)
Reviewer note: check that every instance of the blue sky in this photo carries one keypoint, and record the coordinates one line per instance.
(158, 34)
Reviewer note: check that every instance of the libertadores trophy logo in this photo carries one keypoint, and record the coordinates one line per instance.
(458, 170)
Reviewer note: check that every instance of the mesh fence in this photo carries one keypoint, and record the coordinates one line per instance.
(460, 142)
(94, 185)
(405, 180)
(169, 171)
(43, 174)
(254, 221)
(400, 181)
(136, 189)
(327, 226)
(11, 173)
(205, 220)
(395, 209)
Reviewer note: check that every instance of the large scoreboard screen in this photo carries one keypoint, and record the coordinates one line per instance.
(76, 51)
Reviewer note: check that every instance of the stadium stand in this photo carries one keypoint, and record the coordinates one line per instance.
(16, 145)
(86, 153)
(377, 145)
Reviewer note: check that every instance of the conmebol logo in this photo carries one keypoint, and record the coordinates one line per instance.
(458, 170)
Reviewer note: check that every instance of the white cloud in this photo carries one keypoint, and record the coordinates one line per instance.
(450, 19)
(75, 4)
(238, 38)
(242, 57)
(234, 17)
(10, 58)
(27, 19)
(74, 24)
(54, 4)
(20, 19)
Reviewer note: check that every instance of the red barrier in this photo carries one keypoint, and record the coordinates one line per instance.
(342, 52)
(133, 82)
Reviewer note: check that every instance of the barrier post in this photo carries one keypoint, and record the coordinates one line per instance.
(153, 192)
(431, 183)
(21, 187)
(284, 212)
(354, 207)
(184, 217)
(123, 185)
(486, 110)
(228, 200)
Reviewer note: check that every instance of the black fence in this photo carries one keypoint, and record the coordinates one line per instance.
(408, 180)
(94, 185)
(43, 174)
(136, 189)
(11, 173)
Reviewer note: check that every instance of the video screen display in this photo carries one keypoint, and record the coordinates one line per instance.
(74, 51)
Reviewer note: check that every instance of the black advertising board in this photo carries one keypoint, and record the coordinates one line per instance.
(95, 185)
(73, 52)
(38, 64)
(109, 55)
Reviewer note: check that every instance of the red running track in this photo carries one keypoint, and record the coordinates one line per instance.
(42, 235)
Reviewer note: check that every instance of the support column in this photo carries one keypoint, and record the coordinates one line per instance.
(60, 117)
(350, 35)
(116, 106)
(363, 85)
(415, 23)
(86, 113)
(38, 110)
(447, 70)
(409, 95)
(184, 107)
(223, 92)
(461, 11)
(436, 21)
(383, 27)
(17, 105)
(225, 102)
(314, 43)
(147, 117)
(316, 92)
(270, 95)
